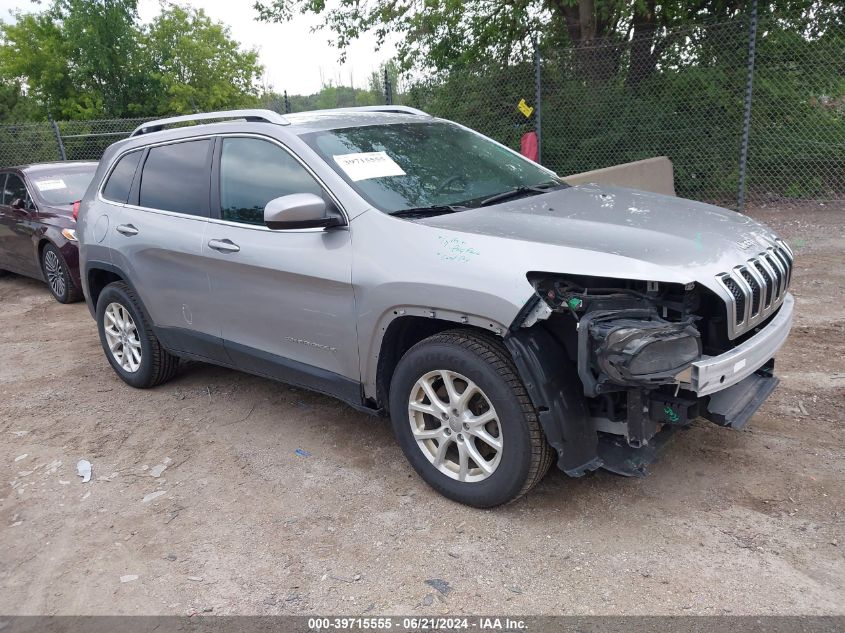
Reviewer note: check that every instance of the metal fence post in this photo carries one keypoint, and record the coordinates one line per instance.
(538, 99)
(287, 103)
(746, 117)
(388, 89)
(59, 143)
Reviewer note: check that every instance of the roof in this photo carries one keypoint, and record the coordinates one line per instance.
(35, 168)
(297, 123)
(319, 120)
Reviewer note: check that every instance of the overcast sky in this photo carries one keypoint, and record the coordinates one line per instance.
(292, 56)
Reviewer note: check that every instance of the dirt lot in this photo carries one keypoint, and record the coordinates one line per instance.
(728, 522)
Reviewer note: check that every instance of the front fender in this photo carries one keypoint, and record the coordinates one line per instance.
(403, 268)
(373, 345)
(555, 390)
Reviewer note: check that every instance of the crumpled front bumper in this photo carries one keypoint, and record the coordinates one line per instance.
(715, 373)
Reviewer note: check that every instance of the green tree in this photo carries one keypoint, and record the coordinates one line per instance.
(105, 57)
(79, 58)
(198, 64)
(329, 96)
(15, 106)
(34, 52)
(87, 59)
(443, 34)
(394, 75)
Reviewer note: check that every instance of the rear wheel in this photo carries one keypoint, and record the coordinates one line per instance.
(58, 277)
(131, 346)
(464, 420)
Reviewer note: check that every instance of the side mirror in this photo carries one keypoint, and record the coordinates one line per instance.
(298, 211)
(19, 204)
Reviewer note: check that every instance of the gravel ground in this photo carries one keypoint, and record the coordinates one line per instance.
(728, 522)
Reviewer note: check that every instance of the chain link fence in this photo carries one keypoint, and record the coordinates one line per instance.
(691, 94)
(65, 140)
(608, 104)
(698, 95)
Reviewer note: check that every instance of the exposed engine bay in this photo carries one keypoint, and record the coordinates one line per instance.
(630, 346)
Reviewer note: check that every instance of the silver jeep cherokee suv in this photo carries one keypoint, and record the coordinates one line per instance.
(406, 264)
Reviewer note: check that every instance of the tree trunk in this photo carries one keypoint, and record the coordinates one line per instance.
(643, 47)
(593, 61)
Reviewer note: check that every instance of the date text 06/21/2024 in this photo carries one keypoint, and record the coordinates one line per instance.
(417, 623)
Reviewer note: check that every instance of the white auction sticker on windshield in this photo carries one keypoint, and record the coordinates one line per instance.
(50, 185)
(366, 165)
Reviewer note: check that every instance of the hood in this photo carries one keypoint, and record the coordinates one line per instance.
(681, 235)
(60, 211)
(475, 264)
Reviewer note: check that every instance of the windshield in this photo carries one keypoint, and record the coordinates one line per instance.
(432, 164)
(62, 186)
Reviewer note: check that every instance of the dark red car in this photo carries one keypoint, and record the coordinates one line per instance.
(37, 227)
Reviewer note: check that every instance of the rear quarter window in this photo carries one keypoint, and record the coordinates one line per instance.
(120, 181)
(177, 178)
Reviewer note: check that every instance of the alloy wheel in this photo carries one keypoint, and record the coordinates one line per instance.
(455, 426)
(122, 337)
(55, 272)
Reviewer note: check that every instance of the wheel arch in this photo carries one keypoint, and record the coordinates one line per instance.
(97, 276)
(400, 329)
(42, 243)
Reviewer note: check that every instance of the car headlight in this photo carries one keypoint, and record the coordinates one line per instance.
(644, 351)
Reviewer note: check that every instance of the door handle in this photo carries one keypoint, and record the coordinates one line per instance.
(224, 246)
(126, 229)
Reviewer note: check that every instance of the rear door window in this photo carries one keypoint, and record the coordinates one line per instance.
(15, 189)
(176, 178)
(120, 181)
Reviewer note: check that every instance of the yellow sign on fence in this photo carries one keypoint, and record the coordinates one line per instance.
(526, 109)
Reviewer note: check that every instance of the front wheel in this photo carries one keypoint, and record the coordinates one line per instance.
(57, 274)
(464, 420)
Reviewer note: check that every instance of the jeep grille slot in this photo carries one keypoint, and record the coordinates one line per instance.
(769, 287)
(779, 273)
(739, 298)
(756, 289)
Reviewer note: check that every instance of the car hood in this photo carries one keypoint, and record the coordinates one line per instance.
(59, 209)
(665, 231)
(476, 263)
(56, 213)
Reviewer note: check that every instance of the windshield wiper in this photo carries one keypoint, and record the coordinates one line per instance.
(438, 209)
(521, 191)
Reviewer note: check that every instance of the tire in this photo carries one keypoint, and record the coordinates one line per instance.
(150, 364)
(468, 358)
(57, 275)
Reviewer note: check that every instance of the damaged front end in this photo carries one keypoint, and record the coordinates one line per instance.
(612, 367)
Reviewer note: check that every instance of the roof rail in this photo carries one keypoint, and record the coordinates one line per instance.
(254, 115)
(396, 109)
(399, 109)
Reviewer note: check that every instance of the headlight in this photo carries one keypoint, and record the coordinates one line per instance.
(643, 351)
(69, 234)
